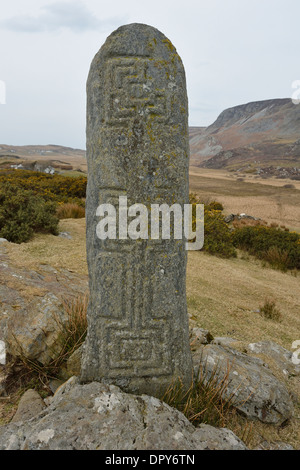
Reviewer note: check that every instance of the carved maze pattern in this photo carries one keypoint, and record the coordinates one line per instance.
(131, 92)
(139, 331)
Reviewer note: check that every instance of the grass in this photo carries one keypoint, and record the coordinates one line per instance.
(204, 402)
(70, 211)
(223, 297)
(269, 311)
(208, 402)
(277, 258)
(26, 373)
(266, 199)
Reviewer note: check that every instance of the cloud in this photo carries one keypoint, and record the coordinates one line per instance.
(74, 16)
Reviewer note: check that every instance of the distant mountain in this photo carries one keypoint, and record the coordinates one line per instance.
(250, 136)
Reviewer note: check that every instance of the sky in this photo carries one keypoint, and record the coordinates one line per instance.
(234, 52)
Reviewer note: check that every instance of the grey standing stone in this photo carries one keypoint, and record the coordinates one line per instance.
(137, 146)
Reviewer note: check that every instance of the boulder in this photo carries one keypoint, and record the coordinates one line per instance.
(224, 341)
(31, 307)
(33, 333)
(281, 356)
(30, 405)
(256, 392)
(97, 416)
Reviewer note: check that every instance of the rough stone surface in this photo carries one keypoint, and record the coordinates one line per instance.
(33, 333)
(137, 146)
(3, 377)
(274, 446)
(281, 356)
(102, 417)
(256, 392)
(30, 306)
(198, 337)
(31, 404)
(74, 363)
(224, 341)
(65, 235)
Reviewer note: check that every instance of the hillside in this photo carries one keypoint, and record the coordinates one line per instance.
(44, 266)
(252, 137)
(260, 138)
(59, 157)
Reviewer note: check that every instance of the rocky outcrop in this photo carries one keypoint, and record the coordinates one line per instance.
(281, 356)
(31, 307)
(260, 134)
(250, 384)
(101, 417)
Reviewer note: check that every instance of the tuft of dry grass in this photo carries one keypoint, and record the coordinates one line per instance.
(277, 258)
(247, 223)
(73, 331)
(205, 401)
(270, 311)
(70, 211)
(27, 373)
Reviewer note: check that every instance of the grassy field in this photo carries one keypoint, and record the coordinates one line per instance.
(267, 199)
(223, 296)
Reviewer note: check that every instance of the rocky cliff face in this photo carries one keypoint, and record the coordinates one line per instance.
(261, 133)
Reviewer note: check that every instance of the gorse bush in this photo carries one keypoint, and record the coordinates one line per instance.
(34, 202)
(55, 188)
(22, 213)
(217, 235)
(278, 247)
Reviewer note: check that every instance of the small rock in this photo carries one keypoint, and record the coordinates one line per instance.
(48, 400)
(199, 336)
(31, 404)
(74, 363)
(65, 235)
(229, 218)
(3, 240)
(2, 353)
(55, 384)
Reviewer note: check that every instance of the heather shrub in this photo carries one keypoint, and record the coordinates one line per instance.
(217, 234)
(278, 247)
(23, 213)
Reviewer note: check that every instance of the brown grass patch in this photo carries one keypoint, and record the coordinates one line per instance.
(70, 211)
